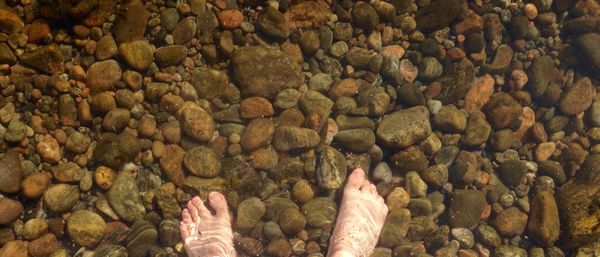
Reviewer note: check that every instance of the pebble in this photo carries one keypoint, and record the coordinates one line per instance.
(101, 76)
(85, 228)
(249, 212)
(138, 54)
(10, 210)
(33, 186)
(510, 222)
(11, 172)
(203, 162)
(288, 138)
(395, 228)
(197, 124)
(43, 246)
(124, 197)
(403, 128)
(141, 237)
(465, 208)
(332, 169)
(398, 198)
(60, 198)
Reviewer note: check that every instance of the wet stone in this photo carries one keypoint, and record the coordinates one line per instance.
(404, 128)
(253, 66)
(332, 169)
(465, 208)
(11, 172)
(124, 197)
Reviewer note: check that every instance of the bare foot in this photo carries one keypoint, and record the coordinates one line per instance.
(204, 234)
(360, 219)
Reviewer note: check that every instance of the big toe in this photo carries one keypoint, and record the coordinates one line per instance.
(356, 179)
(218, 202)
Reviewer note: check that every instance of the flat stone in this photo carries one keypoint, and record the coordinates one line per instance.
(262, 71)
(404, 128)
(124, 197)
(11, 172)
(332, 169)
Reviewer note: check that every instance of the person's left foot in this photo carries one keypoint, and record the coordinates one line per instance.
(204, 234)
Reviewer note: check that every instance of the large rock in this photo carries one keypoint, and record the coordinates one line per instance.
(544, 222)
(47, 58)
(249, 212)
(10, 210)
(141, 238)
(202, 161)
(457, 80)
(578, 97)
(332, 169)
(101, 76)
(11, 172)
(395, 227)
(537, 73)
(404, 128)
(138, 54)
(85, 228)
(288, 138)
(197, 124)
(577, 201)
(356, 140)
(319, 212)
(589, 51)
(465, 208)
(131, 20)
(124, 197)
(437, 15)
(61, 198)
(116, 150)
(262, 71)
(209, 83)
(10, 22)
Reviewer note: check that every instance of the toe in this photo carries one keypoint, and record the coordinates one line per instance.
(218, 202)
(186, 218)
(373, 190)
(193, 211)
(356, 179)
(183, 231)
(365, 188)
(203, 212)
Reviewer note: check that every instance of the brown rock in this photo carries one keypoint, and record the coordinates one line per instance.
(10, 210)
(197, 124)
(578, 97)
(44, 246)
(472, 23)
(15, 248)
(49, 149)
(11, 172)
(544, 222)
(230, 19)
(101, 76)
(105, 177)
(480, 93)
(257, 134)
(172, 163)
(510, 222)
(577, 200)
(33, 187)
(502, 110)
(306, 14)
(38, 30)
(10, 22)
(131, 21)
(256, 107)
(293, 138)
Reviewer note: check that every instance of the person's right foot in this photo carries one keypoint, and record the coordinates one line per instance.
(360, 219)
